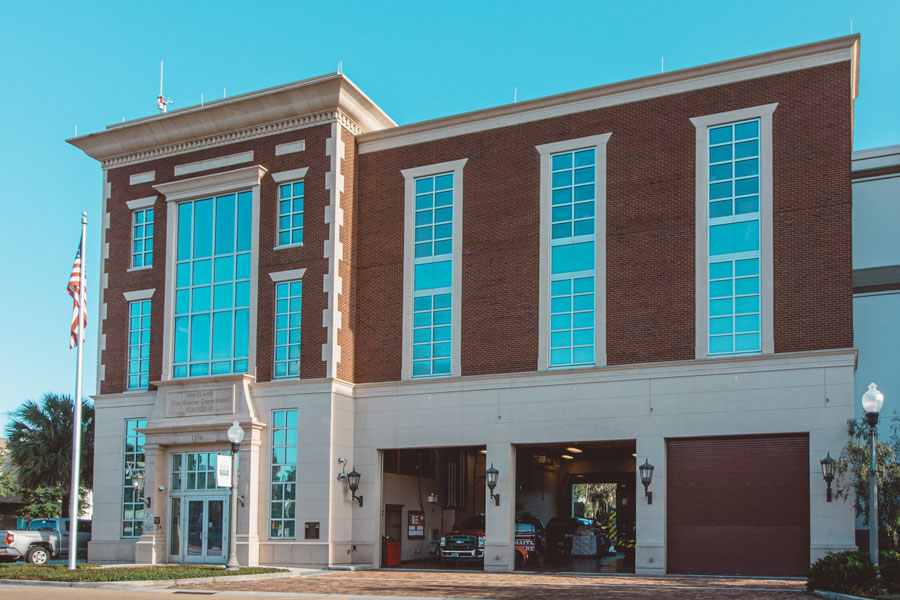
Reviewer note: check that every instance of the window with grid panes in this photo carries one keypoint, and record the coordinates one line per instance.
(734, 239)
(283, 502)
(212, 286)
(194, 471)
(132, 502)
(138, 344)
(432, 276)
(572, 251)
(288, 301)
(290, 213)
(142, 238)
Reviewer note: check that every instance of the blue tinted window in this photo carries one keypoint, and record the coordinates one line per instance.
(572, 257)
(211, 335)
(433, 237)
(290, 213)
(734, 286)
(573, 180)
(138, 345)
(142, 238)
(288, 301)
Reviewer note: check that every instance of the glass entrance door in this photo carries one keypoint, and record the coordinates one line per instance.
(201, 530)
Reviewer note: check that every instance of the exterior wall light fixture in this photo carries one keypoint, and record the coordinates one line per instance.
(491, 475)
(352, 479)
(137, 484)
(828, 474)
(646, 477)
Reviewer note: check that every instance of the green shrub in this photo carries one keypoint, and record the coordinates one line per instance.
(889, 567)
(845, 573)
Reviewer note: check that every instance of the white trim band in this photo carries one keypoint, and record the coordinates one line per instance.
(290, 148)
(142, 203)
(211, 184)
(290, 275)
(145, 177)
(139, 295)
(213, 163)
(288, 175)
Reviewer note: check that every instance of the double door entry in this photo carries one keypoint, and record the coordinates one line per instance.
(199, 529)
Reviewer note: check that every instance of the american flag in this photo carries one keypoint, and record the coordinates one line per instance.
(75, 281)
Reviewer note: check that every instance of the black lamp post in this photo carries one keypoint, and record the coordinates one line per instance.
(828, 474)
(235, 436)
(646, 477)
(872, 402)
(491, 475)
(353, 482)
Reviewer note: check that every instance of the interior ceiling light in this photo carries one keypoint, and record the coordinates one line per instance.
(634, 454)
(568, 456)
(575, 450)
(483, 451)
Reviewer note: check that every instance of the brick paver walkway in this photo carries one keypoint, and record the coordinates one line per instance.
(510, 586)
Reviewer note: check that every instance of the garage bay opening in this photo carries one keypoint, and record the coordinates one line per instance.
(575, 507)
(433, 508)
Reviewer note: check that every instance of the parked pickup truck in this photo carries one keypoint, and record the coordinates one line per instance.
(43, 540)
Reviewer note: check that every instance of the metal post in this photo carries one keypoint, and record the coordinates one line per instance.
(75, 484)
(873, 501)
(232, 564)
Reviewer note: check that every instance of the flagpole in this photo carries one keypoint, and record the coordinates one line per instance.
(76, 425)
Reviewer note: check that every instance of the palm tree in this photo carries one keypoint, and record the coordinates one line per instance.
(40, 444)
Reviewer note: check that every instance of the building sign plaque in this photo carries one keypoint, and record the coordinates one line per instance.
(200, 402)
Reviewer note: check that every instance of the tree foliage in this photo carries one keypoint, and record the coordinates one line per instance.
(40, 448)
(853, 468)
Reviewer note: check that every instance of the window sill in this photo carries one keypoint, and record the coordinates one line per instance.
(144, 268)
(137, 390)
(299, 245)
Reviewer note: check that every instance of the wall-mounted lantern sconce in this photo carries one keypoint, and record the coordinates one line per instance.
(137, 484)
(432, 498)
(352, 479)
(828, 474)
(491, 475)
(646, 478)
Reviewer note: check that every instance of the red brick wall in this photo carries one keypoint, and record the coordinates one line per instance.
(650, 230)
(347, 265)
(309, 256)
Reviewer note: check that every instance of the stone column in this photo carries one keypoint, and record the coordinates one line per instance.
(250, 463)
(650, 526)
(499, 545)
(151, 547)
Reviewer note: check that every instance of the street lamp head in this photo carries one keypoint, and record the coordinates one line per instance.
(235, 434)
(873, 399)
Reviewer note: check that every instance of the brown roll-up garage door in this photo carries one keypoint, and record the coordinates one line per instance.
(738, 505)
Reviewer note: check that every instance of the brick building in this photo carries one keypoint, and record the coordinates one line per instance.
(654, 271)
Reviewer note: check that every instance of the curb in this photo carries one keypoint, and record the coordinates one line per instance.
(148, 582)
(836, 595)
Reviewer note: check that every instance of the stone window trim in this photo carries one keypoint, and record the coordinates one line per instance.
(192, 189)
(701, 260)
(409, 197)
(599, 142)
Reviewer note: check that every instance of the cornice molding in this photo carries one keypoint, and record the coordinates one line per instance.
(231, 137)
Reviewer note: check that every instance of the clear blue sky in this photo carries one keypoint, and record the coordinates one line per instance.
(89, 64)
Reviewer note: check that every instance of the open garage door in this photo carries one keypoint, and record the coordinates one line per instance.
(738, 505)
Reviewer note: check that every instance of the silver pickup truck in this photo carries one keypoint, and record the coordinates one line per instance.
(43, 540)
